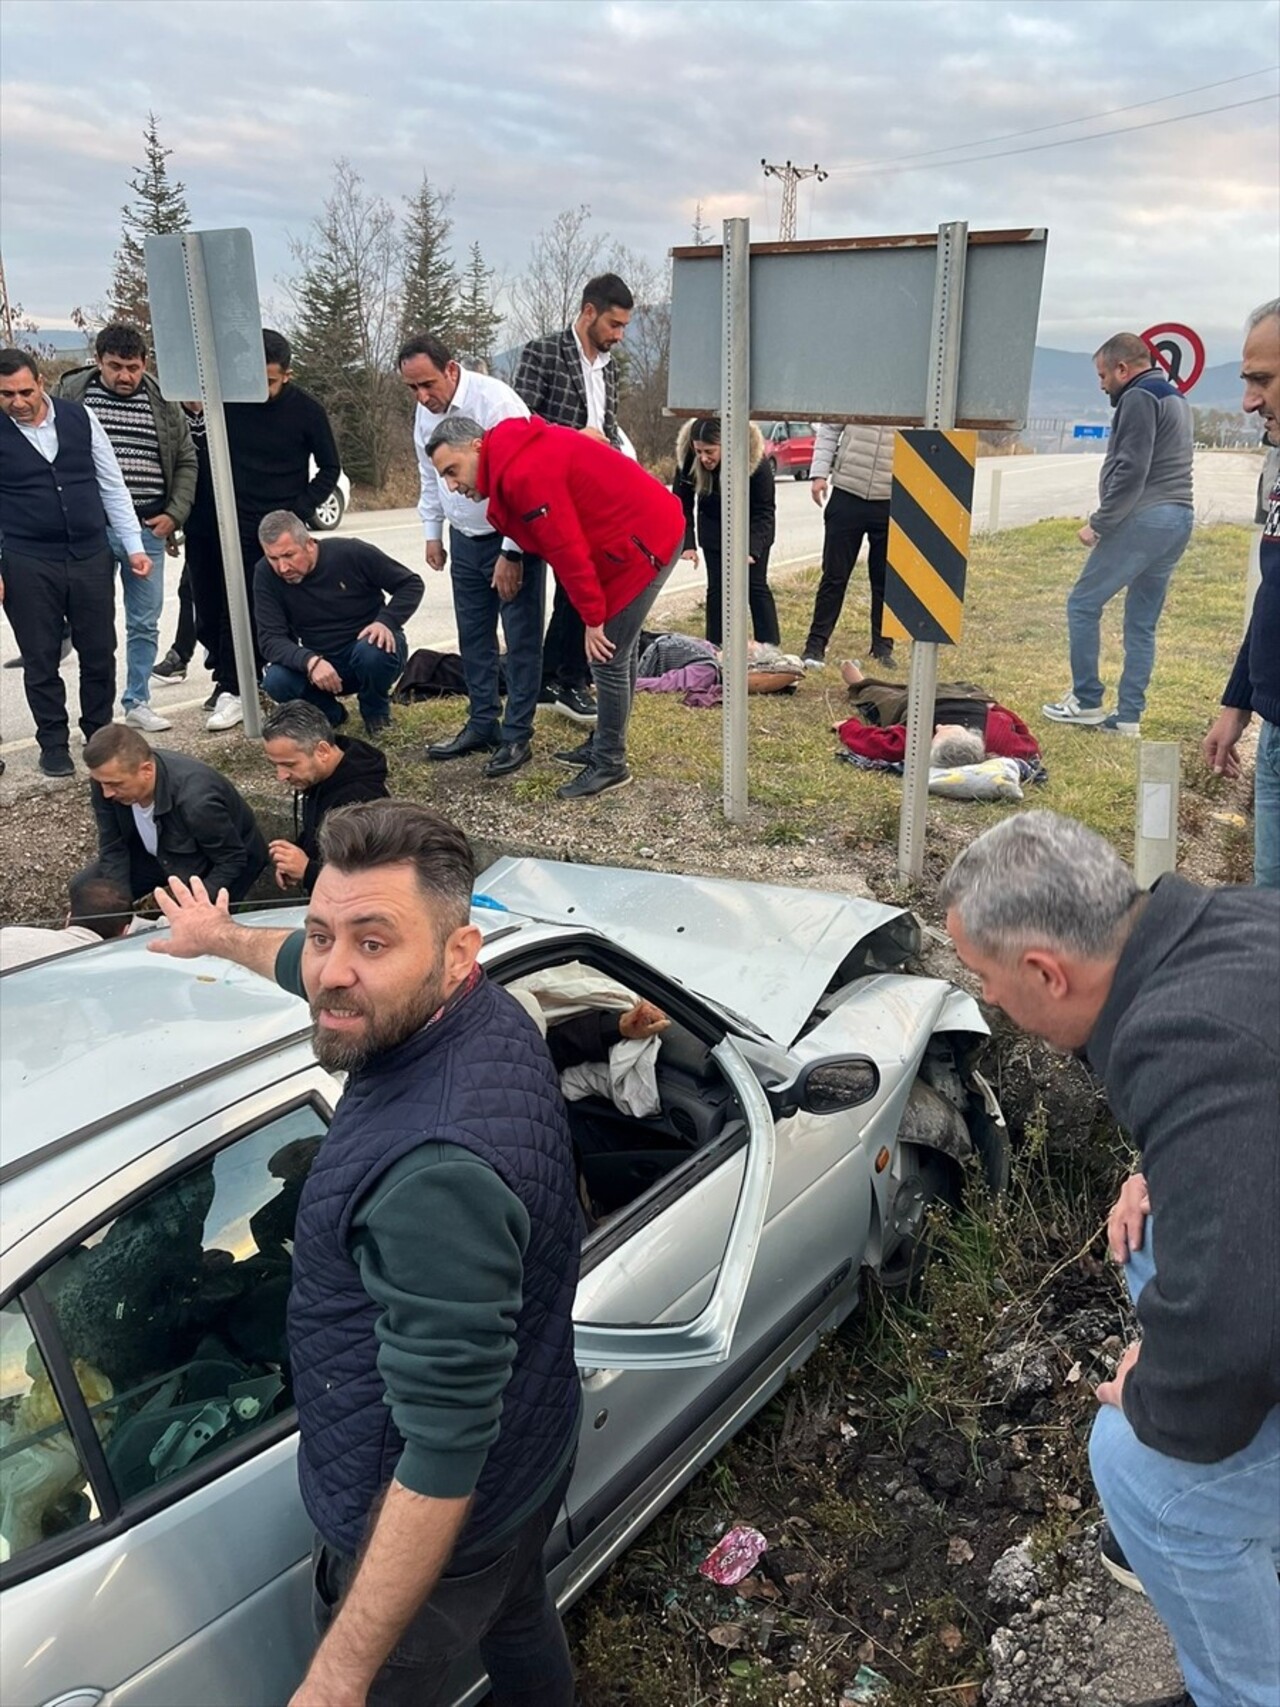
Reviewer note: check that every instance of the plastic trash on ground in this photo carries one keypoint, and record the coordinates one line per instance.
(734, 1554)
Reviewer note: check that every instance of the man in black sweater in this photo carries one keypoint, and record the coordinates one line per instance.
(163, 815)
(274, 446)
(323, 624)
(1171, 995)
(324, 770)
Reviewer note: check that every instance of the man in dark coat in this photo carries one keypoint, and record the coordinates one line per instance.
(570, 379)
(324, 770)
(163, 815)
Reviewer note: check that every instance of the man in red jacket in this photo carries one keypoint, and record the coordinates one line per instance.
(612, 534)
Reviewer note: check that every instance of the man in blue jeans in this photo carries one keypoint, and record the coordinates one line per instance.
(1171, 995)
(153, 446)
(1255, 681)
(492, 581)
(1138, 534)
(330, 616)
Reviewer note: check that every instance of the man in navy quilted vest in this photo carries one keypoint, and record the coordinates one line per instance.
(434, 1267)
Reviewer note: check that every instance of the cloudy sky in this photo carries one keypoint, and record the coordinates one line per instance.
(643, 108)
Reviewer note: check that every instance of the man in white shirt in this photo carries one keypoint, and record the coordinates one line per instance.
(488, 572)
(100, 911)
(570, 379)
(60, 489)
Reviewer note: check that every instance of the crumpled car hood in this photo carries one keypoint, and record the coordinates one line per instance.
(757, 949)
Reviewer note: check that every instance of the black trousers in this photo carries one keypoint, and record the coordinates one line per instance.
(764, 612)
(184, 639)
(847, 521)
(42, 595)
(497, 1603)
(564, 647)
(209, 596)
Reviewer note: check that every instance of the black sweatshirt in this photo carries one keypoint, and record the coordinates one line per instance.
(323, 613)
(361, 774)
(1188, 1045)
(272, 445)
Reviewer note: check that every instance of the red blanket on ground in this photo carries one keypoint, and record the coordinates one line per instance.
(1007, 737)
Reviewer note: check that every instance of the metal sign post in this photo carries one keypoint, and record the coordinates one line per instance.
(735, 480)
(217, 352)
(940, 411)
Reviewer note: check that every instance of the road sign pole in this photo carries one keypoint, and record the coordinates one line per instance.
(224, 495)
(940, 411)
(735, 477)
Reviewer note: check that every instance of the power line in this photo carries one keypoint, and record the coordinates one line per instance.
(1060, 124)
(1065, 141)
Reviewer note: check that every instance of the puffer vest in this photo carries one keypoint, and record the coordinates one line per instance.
(51, 509)
(481, 1078)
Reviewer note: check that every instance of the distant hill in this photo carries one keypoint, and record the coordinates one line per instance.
(1064, 385)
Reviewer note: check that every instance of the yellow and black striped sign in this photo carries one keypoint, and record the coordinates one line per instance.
(930, 513)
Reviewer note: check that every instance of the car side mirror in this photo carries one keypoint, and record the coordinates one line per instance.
(829, 1086)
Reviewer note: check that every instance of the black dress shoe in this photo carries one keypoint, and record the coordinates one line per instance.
(467, 740)
(57, 762)
(509, 757)
(592, 781)
(374, 727)
(574, 757)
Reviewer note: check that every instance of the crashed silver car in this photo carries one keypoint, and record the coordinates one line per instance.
(157, 1121)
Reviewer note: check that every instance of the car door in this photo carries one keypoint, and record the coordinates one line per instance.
(156, 1550)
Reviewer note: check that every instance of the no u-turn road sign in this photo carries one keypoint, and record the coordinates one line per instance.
(930, 516)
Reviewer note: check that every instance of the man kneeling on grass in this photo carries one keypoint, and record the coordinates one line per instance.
(1171, 996)
(611, 533)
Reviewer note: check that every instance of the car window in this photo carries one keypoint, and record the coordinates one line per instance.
(43, 1484)
(173, 1314)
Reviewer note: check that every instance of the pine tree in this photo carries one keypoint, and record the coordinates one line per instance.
(478, 320)
(430, 289)
(160, 206)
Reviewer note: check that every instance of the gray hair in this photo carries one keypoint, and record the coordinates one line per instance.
(959, 747)
(296, 720)
(276, 523)
(454, 430)
(1041, 880)
(1268, 311)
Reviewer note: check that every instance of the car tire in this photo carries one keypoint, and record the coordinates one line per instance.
(800, 473)
(330, 513)
(773, 466)
(936, 1179)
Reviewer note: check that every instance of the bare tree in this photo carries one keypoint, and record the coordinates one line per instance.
(701, 231)
(547, 295)
(645, 356)
(346, 321)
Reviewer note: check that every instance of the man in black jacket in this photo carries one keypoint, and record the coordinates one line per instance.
(570, 380)
(163, 815)
(324, 625)
(1172, 997)
(324, 770)
(283, 457)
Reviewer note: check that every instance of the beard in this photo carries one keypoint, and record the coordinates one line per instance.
(351, 1051)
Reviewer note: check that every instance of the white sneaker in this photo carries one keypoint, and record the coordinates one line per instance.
(1069, 710)
(814, 663)
(226, 713)
(142, 717)
(1113, 726)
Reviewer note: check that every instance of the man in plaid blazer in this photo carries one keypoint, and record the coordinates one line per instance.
(569, 379)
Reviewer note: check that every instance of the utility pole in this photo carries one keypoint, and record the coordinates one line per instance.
(790, 176)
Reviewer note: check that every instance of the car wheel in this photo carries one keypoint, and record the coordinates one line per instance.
(329, 514)
(931, 1180)
(800, 473)
(773, 465)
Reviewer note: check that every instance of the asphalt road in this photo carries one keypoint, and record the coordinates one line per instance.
(1031, 488)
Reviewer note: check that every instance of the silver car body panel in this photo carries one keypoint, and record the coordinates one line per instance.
(756, 949)
(748, 1264)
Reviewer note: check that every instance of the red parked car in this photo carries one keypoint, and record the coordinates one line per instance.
(789, 447)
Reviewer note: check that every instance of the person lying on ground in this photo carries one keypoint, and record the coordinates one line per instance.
(879, 732)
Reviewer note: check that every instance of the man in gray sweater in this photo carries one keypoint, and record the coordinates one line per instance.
(1171, 995)
(1138, 534)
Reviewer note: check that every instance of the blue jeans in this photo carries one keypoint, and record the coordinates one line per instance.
(1138, 560)
(1266, 808)
(366, 670)
(143, 602)
(1204, 1540)
(477, 610)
